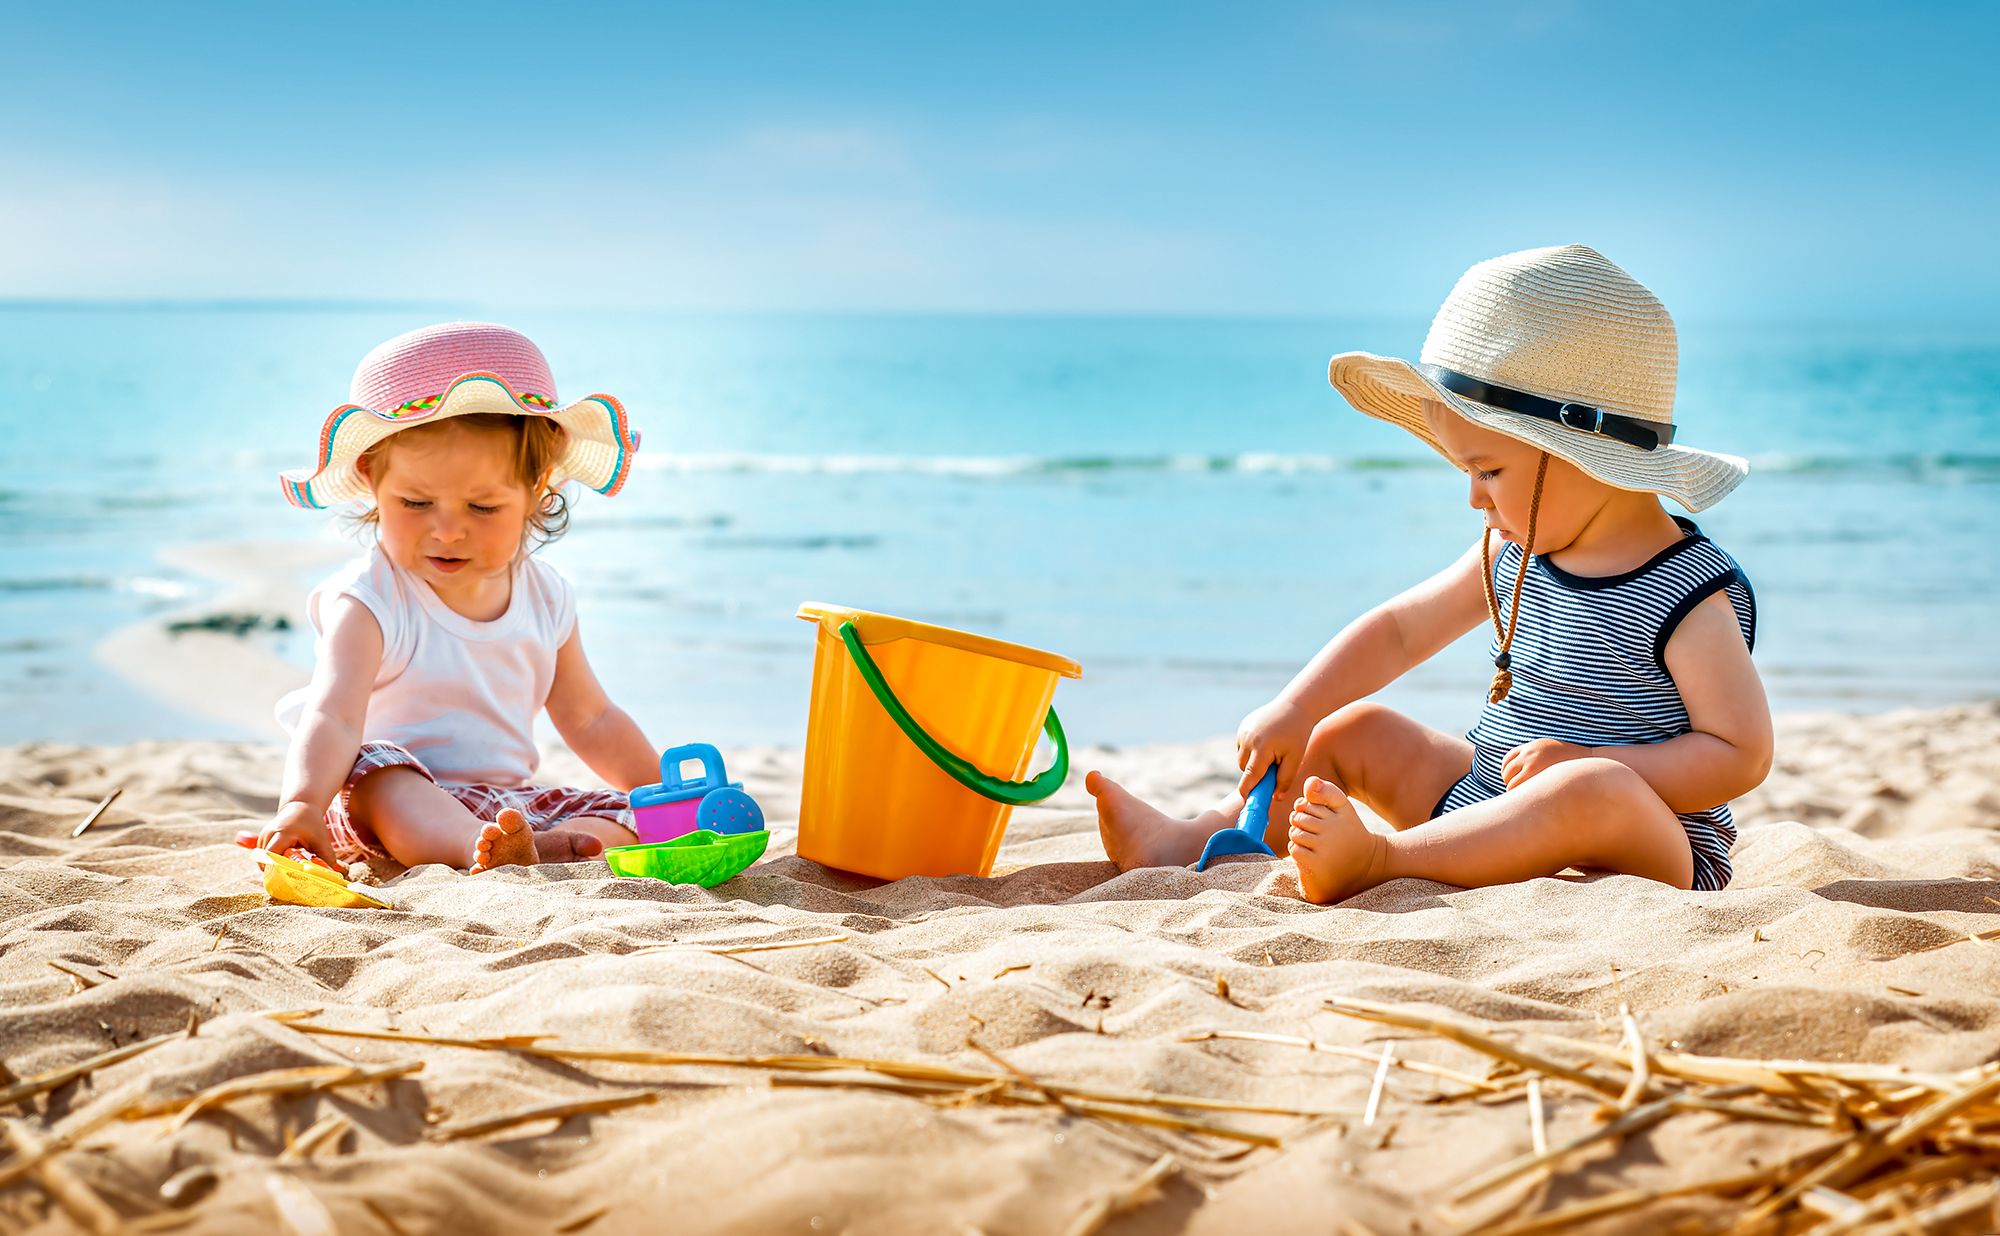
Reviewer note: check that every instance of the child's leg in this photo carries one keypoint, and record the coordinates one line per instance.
(608, 833)
(1399, 767)
(1592, 813)
(414, 818)
(418, 821)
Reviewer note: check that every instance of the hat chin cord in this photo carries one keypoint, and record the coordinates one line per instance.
(1503, 676)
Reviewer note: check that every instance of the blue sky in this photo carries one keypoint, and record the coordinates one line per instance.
(1748, 160)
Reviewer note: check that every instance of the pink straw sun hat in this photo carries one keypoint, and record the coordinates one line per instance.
(456, 369)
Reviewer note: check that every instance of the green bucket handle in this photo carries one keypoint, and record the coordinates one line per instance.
(999, 789)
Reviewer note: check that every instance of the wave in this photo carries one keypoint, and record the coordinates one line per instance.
(59, 583)
(1940, 465)
(1001, 466)
(144, 585)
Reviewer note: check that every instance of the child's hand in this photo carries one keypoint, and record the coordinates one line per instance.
(297, 825)
(1274, 734)
(1540, 755)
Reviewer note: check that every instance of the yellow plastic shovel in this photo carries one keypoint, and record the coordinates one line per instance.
(309, 884)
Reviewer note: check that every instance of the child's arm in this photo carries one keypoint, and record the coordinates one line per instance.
(1369, 653)
(599, 731)
(1728, 752)
(329, 730)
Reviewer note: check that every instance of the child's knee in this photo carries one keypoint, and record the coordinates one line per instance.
(385, 791)
(1353, 740)
(1351, 728)
(383, 785)
(1605, 789)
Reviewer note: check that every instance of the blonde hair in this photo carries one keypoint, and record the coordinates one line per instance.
(538, 443)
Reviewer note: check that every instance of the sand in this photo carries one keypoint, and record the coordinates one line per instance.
(1876, 838)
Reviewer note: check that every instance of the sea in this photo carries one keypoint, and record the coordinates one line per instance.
(1180, 504)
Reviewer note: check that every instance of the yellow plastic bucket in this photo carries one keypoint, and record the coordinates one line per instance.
(915, 741)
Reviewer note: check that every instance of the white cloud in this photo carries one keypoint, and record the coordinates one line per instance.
(780, 216)
(808, 148)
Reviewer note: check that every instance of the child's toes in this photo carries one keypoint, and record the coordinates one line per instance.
(563, 845)
(506, 842)
(1323, 793)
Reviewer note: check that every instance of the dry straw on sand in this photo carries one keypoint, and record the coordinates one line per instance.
(1902, 1151)
(1056, 1049)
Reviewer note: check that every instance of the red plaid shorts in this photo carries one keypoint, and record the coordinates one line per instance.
(543, 806)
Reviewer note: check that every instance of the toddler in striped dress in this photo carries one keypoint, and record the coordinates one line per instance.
(1624, 712)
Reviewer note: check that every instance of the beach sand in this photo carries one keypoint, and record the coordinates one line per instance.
(1876, 839)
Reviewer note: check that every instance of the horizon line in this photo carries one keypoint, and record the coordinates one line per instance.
(293, 304)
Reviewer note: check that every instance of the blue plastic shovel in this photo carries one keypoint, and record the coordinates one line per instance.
(1247, 836)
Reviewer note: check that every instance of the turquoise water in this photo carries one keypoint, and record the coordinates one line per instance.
(1182, 505)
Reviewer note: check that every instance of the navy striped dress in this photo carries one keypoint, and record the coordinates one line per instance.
(1590, 667)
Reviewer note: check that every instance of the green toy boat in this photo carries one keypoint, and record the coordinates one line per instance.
(700, 857)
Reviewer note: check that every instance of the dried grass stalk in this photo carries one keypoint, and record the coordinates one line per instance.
(1088, 1107)
(1084, 1107)
(1964, 1204)
(1129, 1198)
(1855, 1179)
(29, 1087)
(189, 1185)
(904, 1069)
(77, 1199)
(84, 976)
(548, 1111)
(1477, 1039)
(59, 1142)
(1977, 937)
(1928, 1171)
(276, 1082)
(99, 810)
(760, 946)
(941, 1091)
(1010, 1093)
(1865, 1154)
(584, 1221)
(1642, 1069)
(1633, 1199)
(299, 1208)
(1831, 1204)
(387, 1220)
(1631, 1122)
(1381, 1080)
(326, 1129)
(1352, 1053)
(1752, 1111)
(1771, 1076)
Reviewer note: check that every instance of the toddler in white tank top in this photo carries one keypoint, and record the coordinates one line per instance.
(436, 651)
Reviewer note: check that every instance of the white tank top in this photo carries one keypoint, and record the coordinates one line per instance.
(459, 695)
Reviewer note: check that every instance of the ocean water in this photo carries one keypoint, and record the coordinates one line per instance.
(1182, 505)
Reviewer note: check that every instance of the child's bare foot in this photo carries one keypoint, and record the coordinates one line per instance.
(1136, 834)
(1337, 855)
(566, 845)
(506, 842)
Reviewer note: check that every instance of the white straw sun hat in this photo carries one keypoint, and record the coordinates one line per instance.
(1561, 349)
(456, 369)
